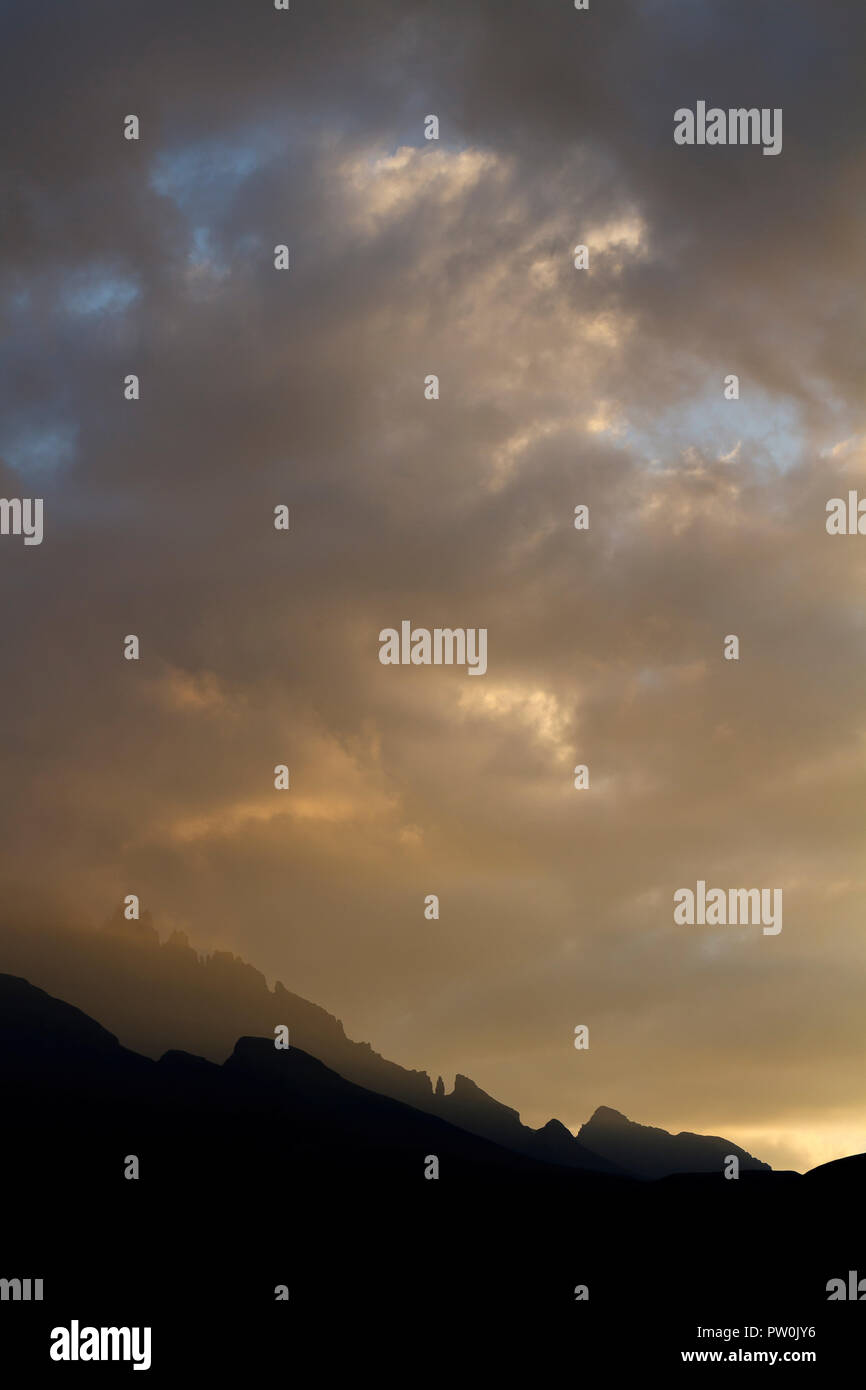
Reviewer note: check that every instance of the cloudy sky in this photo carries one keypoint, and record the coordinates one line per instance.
(557, 387)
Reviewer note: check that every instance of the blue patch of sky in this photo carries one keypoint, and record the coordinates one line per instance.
(203, 249)
(767, 428)
(39, 452)
(203, 177)
(98, 290)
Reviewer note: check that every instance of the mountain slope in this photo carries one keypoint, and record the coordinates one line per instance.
(649, 1152)
(69, 1087)
(271, 1170)
(164, 996)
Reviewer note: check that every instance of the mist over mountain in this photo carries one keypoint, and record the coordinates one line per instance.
(158, 996)
(165, 998)
(57, 1063)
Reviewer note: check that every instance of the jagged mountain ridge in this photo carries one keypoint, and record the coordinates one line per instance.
(163, 997)
(58, 1065)
(474, 1110)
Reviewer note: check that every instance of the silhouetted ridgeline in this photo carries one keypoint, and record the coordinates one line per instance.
(648, 1152)
(159, 995)
(162, 997)
(272, 1172)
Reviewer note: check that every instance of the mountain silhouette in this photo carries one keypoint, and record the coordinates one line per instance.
(56, 1062)
(648, 1152)
(271, 1171)
(474, 1110)
(163, 997)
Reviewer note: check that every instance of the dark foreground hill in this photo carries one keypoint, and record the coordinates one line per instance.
(272, 1170)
